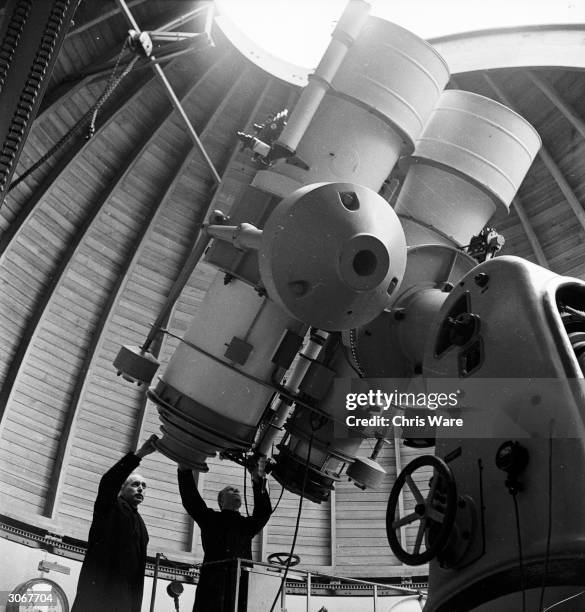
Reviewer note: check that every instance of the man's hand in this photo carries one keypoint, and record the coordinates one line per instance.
(148, 447)
(257, 469)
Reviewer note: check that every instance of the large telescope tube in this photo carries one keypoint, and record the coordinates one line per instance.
(377, 105)
(331, 256)
(467, 165)
(218, 383)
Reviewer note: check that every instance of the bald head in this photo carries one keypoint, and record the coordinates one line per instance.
(133, 490)
(229, 498)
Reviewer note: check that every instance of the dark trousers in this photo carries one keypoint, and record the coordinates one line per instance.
(216, 589)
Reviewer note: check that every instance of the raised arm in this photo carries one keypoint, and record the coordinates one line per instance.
(114, 478)
(192, 500)
(262, 506)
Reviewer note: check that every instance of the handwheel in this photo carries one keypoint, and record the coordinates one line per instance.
(283, 558)
(435, 513)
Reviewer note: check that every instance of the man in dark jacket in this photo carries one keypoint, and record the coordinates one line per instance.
(112, 574)
(225, 535)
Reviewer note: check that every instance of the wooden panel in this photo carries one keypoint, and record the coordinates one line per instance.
(360, 522)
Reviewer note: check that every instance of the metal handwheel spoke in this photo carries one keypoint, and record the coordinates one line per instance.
(434, 483)
(435, 515)
(419, 536)
(405, 520)
(284, 559)
(415, 490)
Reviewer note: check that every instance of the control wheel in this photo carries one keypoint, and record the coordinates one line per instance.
(435, 513)
(283, 558)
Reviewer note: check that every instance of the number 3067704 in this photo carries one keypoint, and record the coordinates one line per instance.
(30, 598)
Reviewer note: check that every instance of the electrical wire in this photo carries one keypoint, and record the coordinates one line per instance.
(246, 500)
(281, 492)
(354, 353)
(351, 364)
(481, 504)
(520, 557)
(278, 501)
(558, 603)
(549, 526)
(245, 497)
(294, 542)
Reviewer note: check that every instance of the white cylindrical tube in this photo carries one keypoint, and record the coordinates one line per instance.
(218, 384)
(348, 27)
(468, 163)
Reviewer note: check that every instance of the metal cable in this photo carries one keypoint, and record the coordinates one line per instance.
(520, 556)
(354, 353)
(296, 533)
(90, 116)
(111, 85)
(549, 521)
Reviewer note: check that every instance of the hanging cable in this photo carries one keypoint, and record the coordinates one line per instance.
(294, 542)
(89, 116)
(558, 603)
(281, 491)
(520, 557)
(245, 494)
(279, 498)
(549, 526)
(246, 500)
(354, 353)
(110, 86)
(351, 363)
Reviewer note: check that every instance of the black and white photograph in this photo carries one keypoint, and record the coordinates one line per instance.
(292, 306)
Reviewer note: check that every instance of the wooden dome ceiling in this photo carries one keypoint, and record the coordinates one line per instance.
(93, 240)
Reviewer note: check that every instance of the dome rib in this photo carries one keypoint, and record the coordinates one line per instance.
(563, 107)
(518, 209)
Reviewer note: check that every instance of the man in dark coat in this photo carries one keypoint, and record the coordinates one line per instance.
(112, 574)
(225, 535)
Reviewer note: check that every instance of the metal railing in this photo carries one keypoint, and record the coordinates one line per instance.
(262, 581)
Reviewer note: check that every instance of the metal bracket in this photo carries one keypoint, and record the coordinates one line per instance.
(170, 92)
